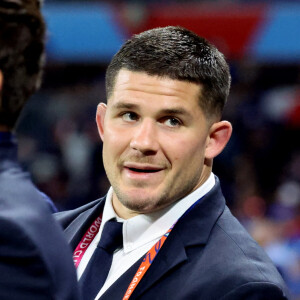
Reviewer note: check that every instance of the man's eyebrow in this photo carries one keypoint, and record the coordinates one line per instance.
(175, 111)
(123, 105)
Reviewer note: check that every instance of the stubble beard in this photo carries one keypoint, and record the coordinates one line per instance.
(143, 204)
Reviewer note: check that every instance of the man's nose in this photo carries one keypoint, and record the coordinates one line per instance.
(145, 137)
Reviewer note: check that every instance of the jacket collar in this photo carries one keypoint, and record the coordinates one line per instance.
(82, 219)
(203, 217)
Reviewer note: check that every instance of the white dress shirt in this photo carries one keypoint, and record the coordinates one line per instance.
(140, 233)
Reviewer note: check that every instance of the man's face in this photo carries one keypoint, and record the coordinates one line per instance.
(154, 141)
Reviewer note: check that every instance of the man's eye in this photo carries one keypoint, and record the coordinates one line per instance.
(172, 122)
(129, 116)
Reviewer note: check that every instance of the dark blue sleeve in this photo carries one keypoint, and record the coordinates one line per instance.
(52, 206)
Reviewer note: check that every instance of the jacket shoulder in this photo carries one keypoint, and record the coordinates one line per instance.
(248, 268)
(30, 237)
(256, 290)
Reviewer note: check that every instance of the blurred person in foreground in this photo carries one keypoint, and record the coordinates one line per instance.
(35, 260)
(161, 128)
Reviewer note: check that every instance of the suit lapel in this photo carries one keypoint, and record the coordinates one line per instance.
(171, 255)
(78, 227)
(164, 262)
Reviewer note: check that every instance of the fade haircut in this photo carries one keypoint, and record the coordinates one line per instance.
(177, 53)
(22, 31)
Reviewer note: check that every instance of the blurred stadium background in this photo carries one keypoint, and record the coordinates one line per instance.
(260, 168)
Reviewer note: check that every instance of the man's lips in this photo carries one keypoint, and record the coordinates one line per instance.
(145, 174)
(142, 168)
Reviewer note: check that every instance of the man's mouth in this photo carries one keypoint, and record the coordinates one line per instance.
(143, 173)
(144, 170)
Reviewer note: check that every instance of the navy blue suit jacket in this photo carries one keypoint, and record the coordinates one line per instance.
(208, 255)
(35, 259)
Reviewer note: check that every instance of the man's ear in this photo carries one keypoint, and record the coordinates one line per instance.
(218, 138)
(101, 110)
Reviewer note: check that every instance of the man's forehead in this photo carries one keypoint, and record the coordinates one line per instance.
(141, 81)
(174, 97)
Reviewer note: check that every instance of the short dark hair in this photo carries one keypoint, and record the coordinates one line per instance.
(179, 54)
(22, 31)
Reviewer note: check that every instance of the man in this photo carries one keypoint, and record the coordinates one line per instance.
(161, 129)
(35, 260)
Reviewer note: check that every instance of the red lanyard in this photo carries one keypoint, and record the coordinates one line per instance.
(145, 265)
(86, 241)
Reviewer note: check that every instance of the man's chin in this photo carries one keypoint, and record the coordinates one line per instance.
(141, 206)
(139, 200)
(141, 203)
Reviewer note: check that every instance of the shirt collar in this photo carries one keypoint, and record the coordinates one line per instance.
(145, 228)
